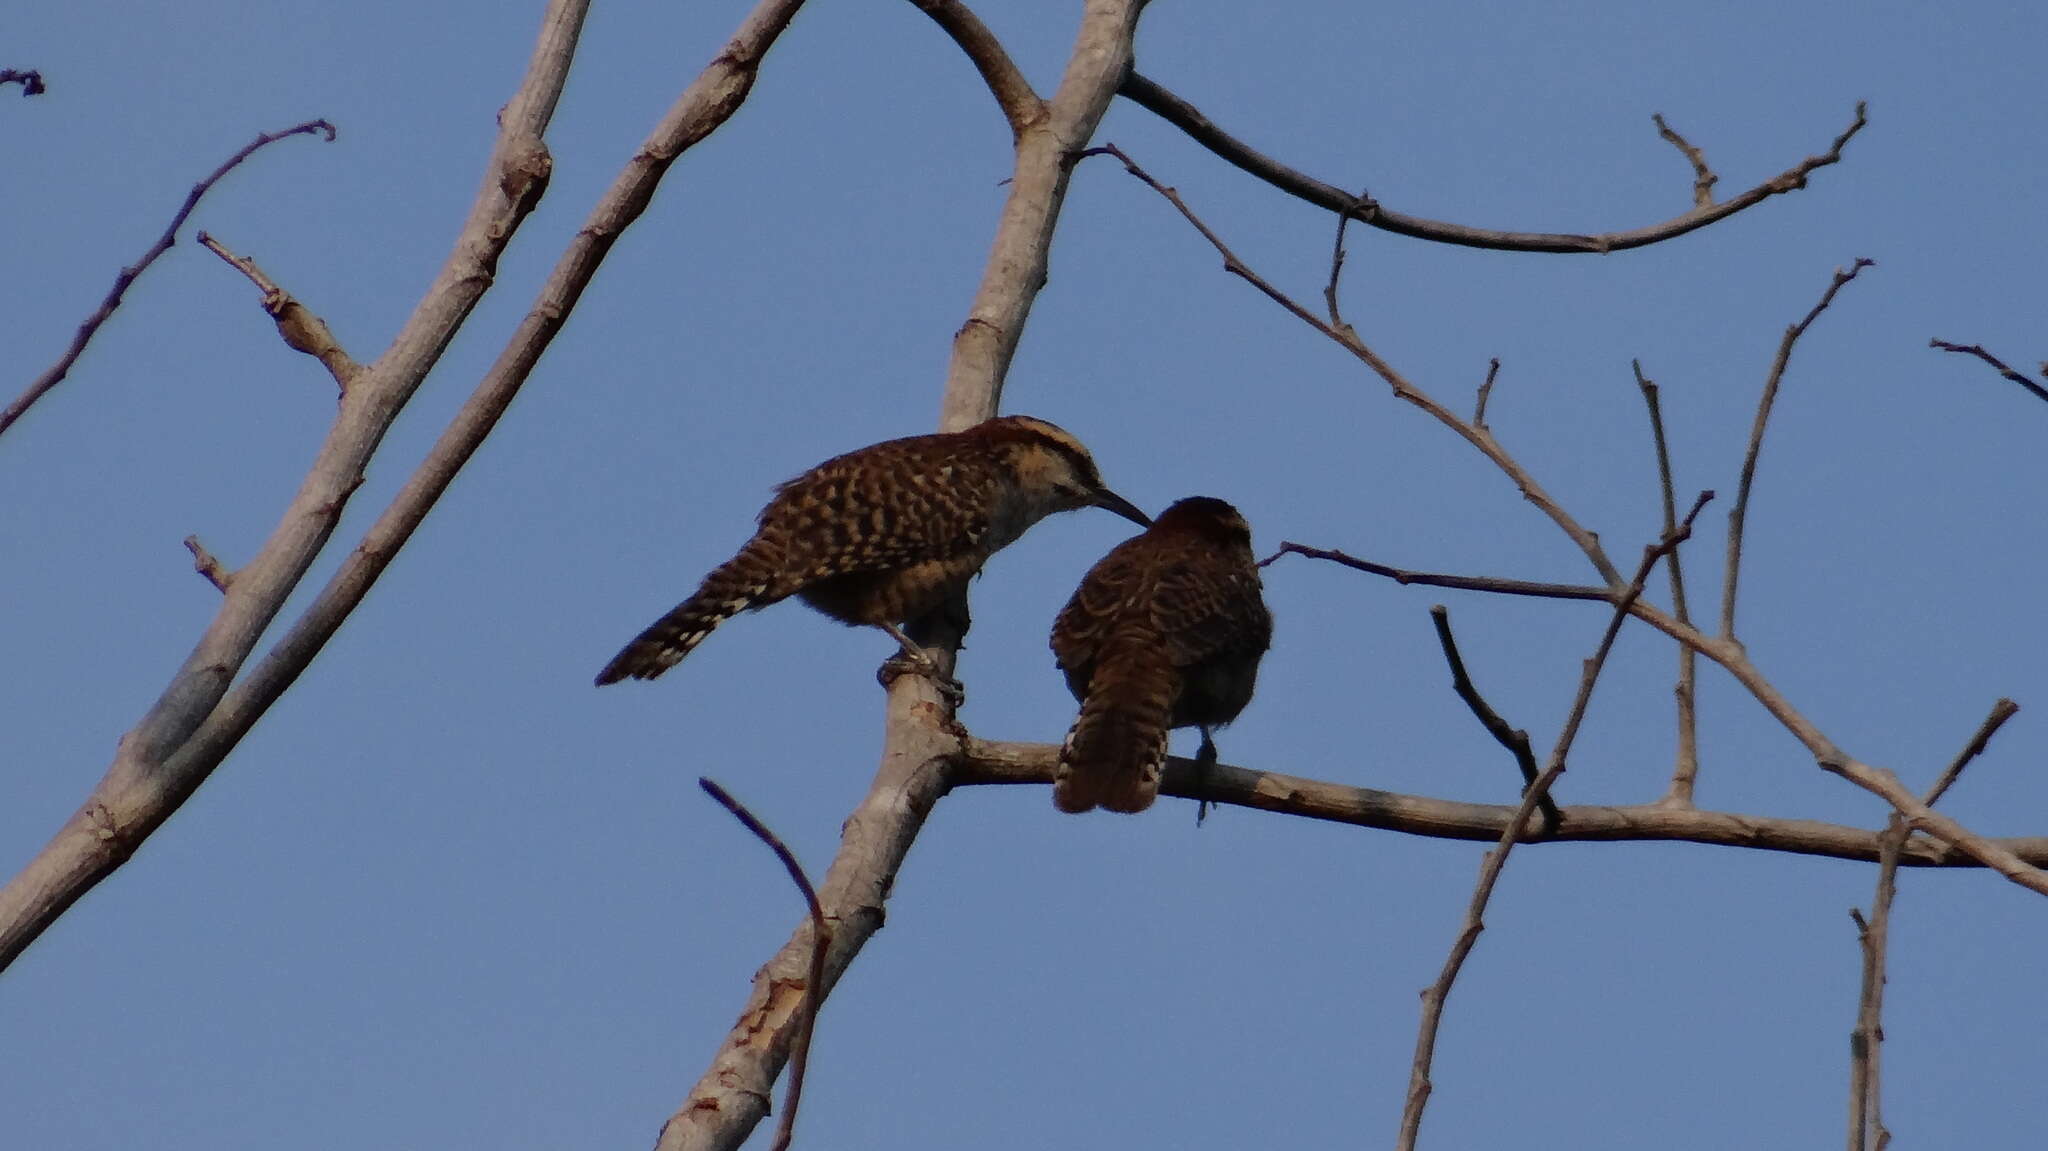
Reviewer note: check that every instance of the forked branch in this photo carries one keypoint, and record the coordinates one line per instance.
(1434, 996)
(1189, 119)
(55, 373)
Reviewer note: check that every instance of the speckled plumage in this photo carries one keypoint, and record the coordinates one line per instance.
(883, 535)
(1165, 631)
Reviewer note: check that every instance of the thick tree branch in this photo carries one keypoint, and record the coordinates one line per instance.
(301, 329)
(986, 762)
(2039, 392)
(1017, 264)
(55, 373)
(1739, 514)
(198, 720)
(921, 743)
(1203, 131)
(1014, 94)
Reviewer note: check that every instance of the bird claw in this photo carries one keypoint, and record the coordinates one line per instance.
(954, 693)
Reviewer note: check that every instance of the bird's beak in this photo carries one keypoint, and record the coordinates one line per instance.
(1123, 507)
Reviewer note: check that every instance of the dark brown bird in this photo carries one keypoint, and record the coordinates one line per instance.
(1166, 631)
(885, 534)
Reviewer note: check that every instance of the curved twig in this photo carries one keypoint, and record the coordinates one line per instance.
(1190, 120)
(1739, 514)
(56, 372)
(2003, 369)
(821, 938)
(1020, 104)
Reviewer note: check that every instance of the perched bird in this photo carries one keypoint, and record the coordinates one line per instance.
(885, 534)
(1165, 631)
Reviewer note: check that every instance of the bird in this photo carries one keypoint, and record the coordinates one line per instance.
(884, 535)
(1165, 631)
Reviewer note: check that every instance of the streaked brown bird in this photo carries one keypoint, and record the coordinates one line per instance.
(1166, 631)
(885, 534)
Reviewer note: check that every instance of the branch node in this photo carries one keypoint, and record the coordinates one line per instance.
(301, 330)
(205, 564)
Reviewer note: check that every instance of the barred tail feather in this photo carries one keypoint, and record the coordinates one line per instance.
(1116, 751)
(733, 587)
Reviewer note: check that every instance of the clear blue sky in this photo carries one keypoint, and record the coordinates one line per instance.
(448, 894)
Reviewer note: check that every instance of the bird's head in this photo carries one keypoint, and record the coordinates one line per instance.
(1053, 469)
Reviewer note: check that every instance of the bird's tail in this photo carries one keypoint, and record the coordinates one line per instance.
(745, 581)
(1116, 750)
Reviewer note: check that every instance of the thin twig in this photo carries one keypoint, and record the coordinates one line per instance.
(1685, 769)
(31, 81)
(1703, 178)
(1740, 512)
(1337, 265)
(1403, 576)
(205, 564)
(1020, 104)
(1433, 997)
(821, 938)
(1485, 393)
(2001, 711)
(2009, 373)
(1513, 738)
(56, 372)
(1203, 131)
(1866, 1098)
(302, 330)
(1478, 437)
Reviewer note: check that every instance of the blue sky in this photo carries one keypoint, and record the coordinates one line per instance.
(449, 894)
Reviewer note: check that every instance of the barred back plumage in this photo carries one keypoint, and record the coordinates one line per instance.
(884, 535)
(1165, 631)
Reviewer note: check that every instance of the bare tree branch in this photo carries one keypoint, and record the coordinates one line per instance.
(1014, 94)
(1866, 1105)
(1190, 120)
(1685, 769)
(1532, 588)
(55, 373)
(1829, 757)
(198, 720)
(821, 938)
(1739, 514)
(991, 763)
(1434, 996)
(922, 743)
(1017, 265)
(1514, 739)
(31, 81)
(302, 330)
(2009, 373)
(1476, 435)
(1703, 178)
